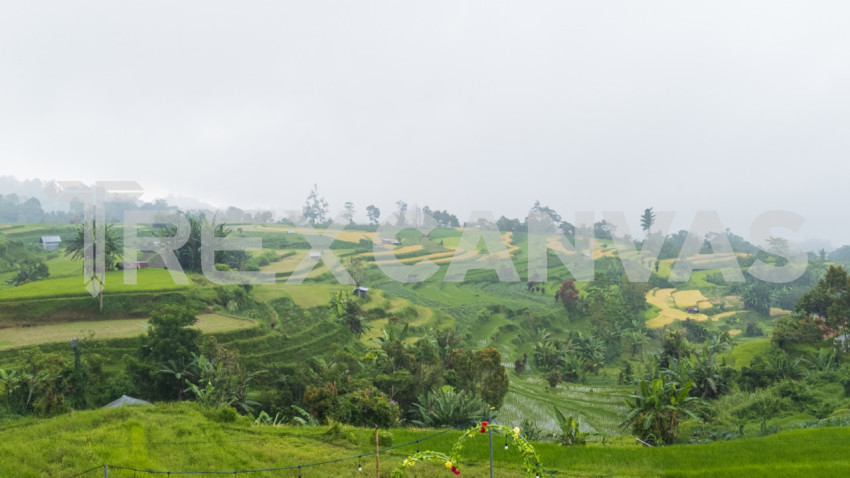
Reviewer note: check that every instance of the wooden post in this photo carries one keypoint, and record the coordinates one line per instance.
(377, 454)
(490, 429)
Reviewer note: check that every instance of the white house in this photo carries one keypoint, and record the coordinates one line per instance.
(50, 243)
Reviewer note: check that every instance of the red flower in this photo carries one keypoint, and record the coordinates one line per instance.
(454, 468)
(484, 424)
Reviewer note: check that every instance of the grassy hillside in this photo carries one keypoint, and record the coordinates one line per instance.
(184, 437)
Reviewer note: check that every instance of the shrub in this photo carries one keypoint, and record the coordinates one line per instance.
(385, 438)
(366, 408)
(445, 408)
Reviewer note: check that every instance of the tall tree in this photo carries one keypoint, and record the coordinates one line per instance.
(647, 220)
(315, 209)
(548, 211)
(167, 352)
(373, 213)
(402, 211)
(349, 212)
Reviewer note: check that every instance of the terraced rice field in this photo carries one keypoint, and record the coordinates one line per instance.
(107, 329)
(691, 298)
(663, 299)
(344, 235)
(304, 295)
(470, 252)
(599, 409)
(777, 312)
(147, 280)
(393, 306)
(288, 265)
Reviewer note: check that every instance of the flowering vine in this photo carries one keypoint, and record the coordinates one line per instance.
(529, 455)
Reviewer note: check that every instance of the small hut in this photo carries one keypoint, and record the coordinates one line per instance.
(50, 243)
(125, 400)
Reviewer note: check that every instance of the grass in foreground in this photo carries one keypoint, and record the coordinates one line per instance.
(184, 437)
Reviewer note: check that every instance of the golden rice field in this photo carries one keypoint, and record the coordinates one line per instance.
(461, 254)
(777, 312)
(390, 253)
(691, 298)
(290, 264)
(725, 314)
(663, 299)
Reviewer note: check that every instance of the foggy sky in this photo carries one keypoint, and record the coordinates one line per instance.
(738, 107)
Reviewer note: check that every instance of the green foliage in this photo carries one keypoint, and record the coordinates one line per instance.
(570, 433)
(790, 331)
(76, 245)
(647, 219)
(368, 407)
(480, 373)
(756, 296)
(167, 353)
(315, 209)
(385, 438)
(190, 254)
(348, 312)
(656, 409)
(444, 407)
(29, 271)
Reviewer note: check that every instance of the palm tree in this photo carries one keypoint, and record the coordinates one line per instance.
(78, 249)
(647, 219)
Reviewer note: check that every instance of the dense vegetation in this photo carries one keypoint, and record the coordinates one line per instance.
(567, 361)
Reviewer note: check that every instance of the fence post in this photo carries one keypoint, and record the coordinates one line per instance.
(490, 428)
(105, 471)
(377, 453)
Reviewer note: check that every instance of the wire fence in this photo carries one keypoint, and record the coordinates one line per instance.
(105, 469)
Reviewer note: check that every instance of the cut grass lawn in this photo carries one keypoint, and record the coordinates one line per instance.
(106, 329)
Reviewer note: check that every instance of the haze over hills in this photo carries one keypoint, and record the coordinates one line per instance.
(35, 188)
